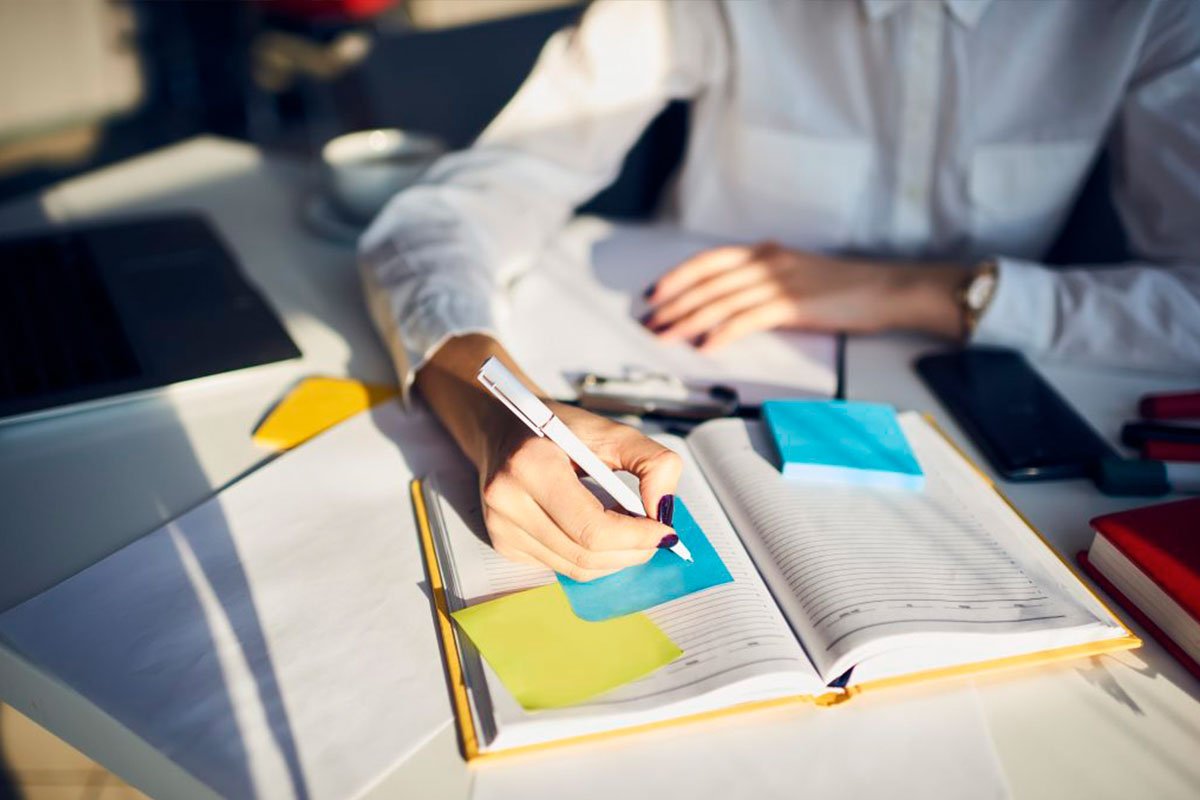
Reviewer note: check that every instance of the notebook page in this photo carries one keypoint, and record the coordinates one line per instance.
(865, 572)
(737, 645)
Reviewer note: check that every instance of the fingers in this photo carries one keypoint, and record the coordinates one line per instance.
(706, 293)
(580, 516)
(514, 542)
(657, 468)
(748, 320)
(536, 508)
(696, 325)
(663, 319)
(696, 269)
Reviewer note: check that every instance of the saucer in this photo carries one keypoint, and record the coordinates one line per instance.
(323, 219)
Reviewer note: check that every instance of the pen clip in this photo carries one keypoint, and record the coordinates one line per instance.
(515, 396)
(503, 398)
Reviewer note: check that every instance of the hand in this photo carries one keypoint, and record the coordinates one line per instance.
(535, 508)
(537, 511)
(726, 293)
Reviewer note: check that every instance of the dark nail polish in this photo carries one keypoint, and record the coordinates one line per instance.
(659, 328)
(700, 340)
(666, 509)
(645, 320)
(649, 291)
(668, 541)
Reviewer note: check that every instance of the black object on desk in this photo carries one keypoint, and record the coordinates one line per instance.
(1024, 428)
(93, 313)
(1136, 434)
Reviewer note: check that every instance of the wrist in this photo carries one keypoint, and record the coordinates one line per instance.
(472, 415)
(926, 297)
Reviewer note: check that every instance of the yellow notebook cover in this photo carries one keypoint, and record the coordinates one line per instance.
(469, 738)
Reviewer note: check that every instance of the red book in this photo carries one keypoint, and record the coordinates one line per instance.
(1170, 406)
(1148, 559)
(1160, 450)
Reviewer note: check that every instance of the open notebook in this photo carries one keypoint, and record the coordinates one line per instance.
(835, 590)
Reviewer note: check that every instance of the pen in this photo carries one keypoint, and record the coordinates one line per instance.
(541, 420)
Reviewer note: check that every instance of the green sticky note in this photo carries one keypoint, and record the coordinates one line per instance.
(550, 658)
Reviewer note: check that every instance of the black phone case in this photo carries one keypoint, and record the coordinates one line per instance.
(1024, 428)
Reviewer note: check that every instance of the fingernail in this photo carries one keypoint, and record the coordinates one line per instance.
(666, 509)
(650, 291)
(645, 320)
(659, 328)
(668, 541)
(700, 340)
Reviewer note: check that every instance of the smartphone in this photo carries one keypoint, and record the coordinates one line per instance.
(1024, 428)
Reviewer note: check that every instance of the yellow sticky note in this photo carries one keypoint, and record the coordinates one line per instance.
(550, 658)
(314, 405)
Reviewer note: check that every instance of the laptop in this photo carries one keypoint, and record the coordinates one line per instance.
(97, 313)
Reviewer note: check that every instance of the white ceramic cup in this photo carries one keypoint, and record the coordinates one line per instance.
(364, 169)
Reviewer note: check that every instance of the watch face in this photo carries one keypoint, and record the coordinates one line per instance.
(980, 290)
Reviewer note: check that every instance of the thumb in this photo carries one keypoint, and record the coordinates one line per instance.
(657, 468)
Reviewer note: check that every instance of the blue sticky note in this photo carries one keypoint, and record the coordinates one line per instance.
(838, 441)
(664, 577)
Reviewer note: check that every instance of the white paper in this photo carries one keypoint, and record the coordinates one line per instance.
(276, 641)
(578, 311)
(909, 745)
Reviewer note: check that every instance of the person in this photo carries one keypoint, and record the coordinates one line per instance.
(941, 142)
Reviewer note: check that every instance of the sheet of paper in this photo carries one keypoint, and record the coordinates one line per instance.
(577, 312)
(275, 641)
(663, 578)
(895, 745)
(547, 657)
(315, 405)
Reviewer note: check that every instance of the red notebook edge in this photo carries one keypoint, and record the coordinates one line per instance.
(1190, 664)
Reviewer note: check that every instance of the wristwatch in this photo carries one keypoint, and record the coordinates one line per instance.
(976, 294)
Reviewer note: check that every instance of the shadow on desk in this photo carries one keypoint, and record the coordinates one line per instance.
(117, 675)
(145, 648)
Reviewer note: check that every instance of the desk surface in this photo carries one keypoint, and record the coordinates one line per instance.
(79, 487)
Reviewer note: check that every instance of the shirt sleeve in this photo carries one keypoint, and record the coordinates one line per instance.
(435, 259)
(1144, 314)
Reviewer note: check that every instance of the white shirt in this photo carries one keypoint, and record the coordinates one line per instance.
(951, 129)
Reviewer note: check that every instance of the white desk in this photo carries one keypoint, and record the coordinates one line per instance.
(76, 488)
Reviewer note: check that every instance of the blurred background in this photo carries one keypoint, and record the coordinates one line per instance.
(89, 82)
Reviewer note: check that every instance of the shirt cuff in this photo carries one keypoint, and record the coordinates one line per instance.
(1023, 313)
(418, 316)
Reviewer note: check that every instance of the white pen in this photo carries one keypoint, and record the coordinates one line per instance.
(541, 420)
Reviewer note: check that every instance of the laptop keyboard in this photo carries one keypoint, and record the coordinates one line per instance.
(58, 328)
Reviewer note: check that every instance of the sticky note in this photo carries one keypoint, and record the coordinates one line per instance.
(835, 441)
(664, 577)
(547, 657)
(315, 405)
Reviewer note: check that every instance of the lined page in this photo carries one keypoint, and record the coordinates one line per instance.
(737, 646)
(864, 571)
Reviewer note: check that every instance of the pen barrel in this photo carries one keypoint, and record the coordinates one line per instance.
(596, 469)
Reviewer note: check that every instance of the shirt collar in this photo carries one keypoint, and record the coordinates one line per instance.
(968, 12)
